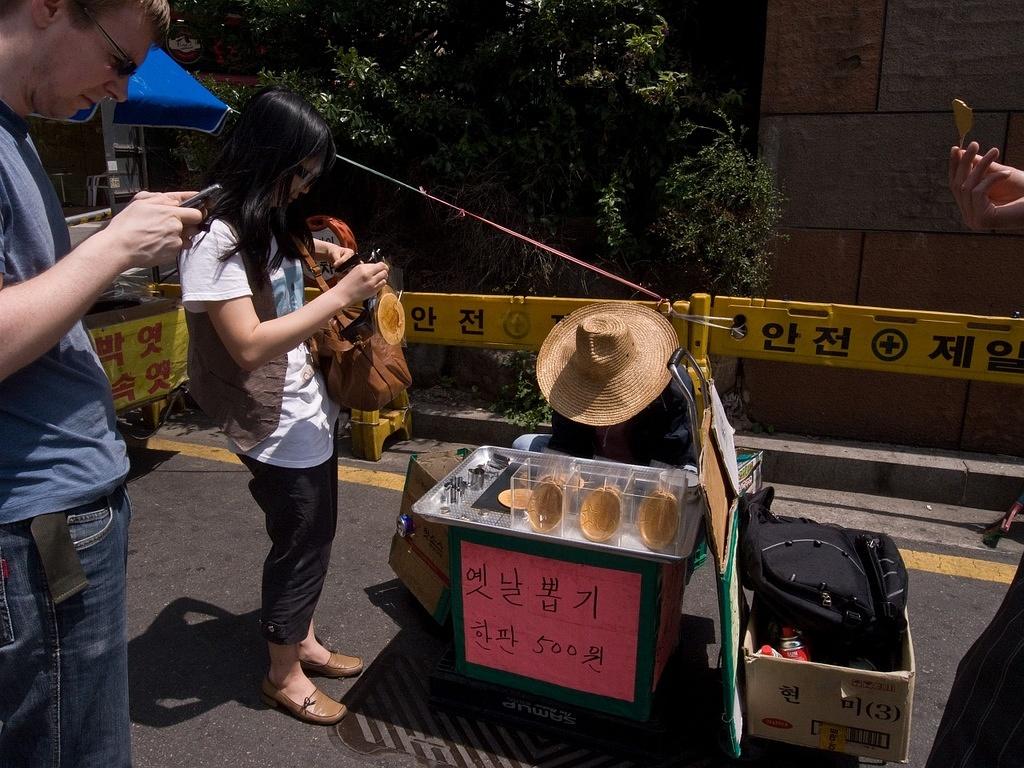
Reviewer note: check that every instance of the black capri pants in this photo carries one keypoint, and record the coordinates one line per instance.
(301, 509)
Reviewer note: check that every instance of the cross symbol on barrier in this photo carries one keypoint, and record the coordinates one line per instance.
(889, 344)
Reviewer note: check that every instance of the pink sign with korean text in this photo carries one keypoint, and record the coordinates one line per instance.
(569, 624)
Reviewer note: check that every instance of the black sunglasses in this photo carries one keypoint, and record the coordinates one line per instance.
(126, 65)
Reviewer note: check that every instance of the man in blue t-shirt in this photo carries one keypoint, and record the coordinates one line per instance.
(63, 508)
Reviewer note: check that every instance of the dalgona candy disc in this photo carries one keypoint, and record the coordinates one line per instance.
(390, 318)
(658, 519)
(964, 118)
(600, 513)
(517, 499)
(544, 509)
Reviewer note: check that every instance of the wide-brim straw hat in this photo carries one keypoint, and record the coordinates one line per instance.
(604, 363)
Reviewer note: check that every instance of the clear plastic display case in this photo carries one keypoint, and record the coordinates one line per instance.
(648, 512)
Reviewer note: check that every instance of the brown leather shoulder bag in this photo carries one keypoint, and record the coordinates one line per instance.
(364, 370)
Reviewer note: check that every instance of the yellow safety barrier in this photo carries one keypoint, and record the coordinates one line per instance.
(493, 322)
(144, 351)
(870, 338)
(902, 341)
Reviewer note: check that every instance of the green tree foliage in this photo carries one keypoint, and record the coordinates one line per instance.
(572, 120)
(521, 401)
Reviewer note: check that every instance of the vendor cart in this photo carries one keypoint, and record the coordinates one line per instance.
(558, 630)
(143, 347)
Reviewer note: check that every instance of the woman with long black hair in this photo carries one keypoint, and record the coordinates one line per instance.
(251, 369)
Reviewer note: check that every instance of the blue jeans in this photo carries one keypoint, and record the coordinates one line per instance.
(64, 668)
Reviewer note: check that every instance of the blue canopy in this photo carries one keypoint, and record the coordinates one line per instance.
(163, 95)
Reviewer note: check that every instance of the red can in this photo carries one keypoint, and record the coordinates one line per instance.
(791, 645)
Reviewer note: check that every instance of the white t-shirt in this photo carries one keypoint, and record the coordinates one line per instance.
(305, 433)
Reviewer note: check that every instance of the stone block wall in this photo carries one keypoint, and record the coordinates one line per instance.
(856, 122)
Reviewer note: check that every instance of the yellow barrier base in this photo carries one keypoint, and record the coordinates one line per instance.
(371, 428)
(153, 411)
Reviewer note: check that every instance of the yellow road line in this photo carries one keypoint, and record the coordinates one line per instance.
(950, 565)
(392, 481)
(965, 567)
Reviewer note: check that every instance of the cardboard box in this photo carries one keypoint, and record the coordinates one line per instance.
(749, 463)
(431, 589)
(420, 559)
(837, 709)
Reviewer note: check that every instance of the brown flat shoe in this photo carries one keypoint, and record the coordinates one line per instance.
(318, 708)
(339, 665)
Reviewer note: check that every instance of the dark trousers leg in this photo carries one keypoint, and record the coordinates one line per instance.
(301, 509)
(983, 723)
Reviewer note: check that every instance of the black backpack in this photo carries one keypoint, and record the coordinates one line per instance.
(845, 585)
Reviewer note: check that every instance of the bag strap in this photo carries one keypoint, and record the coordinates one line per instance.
(316, 269)
(318, 275)
(346, 329)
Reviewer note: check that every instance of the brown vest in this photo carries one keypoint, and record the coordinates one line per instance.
(245, 404)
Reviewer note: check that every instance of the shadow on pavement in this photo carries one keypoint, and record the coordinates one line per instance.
(394, 599)
(145, 460)
(399, 705)
(195, 656)
(403, 704)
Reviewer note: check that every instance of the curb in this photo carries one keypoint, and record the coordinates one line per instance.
(980, 481)
(475, 426)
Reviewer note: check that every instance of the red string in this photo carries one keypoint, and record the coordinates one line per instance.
(548, 248)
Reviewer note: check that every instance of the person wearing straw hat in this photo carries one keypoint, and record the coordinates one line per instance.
(603, 369)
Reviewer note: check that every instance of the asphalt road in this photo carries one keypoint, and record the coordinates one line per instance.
(196, 658)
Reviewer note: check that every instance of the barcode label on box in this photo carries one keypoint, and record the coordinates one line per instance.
(834, 738)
